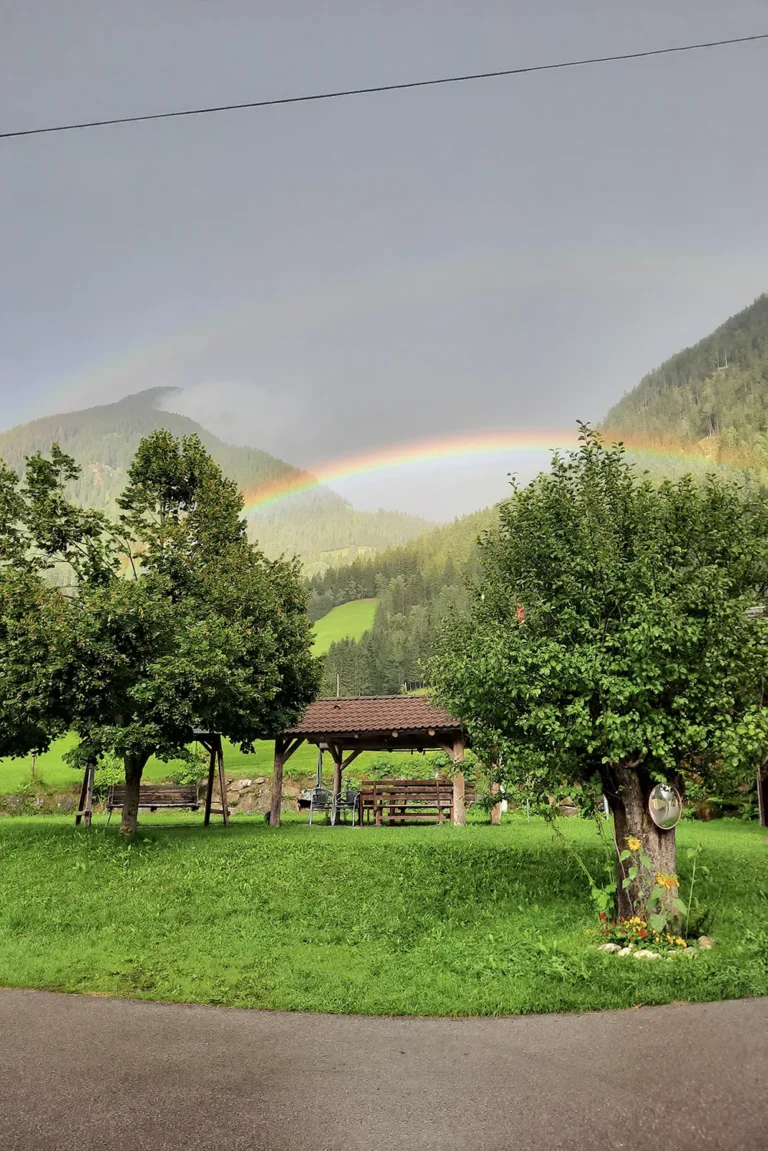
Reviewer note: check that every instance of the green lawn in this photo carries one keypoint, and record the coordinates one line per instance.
(51, 769)
(348, 621)
(414, 921)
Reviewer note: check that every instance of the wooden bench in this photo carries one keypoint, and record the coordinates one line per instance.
(401, 800)
(157, 796)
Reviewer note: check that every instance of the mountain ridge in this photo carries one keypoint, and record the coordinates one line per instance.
(319, 525)
(712, 395)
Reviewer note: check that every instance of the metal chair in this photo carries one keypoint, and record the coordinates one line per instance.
(320, 800)
(349, 801)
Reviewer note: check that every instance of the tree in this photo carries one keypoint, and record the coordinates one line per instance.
(175, 621)
(635, 659)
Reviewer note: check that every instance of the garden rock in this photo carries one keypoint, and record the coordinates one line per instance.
(612, 947)
(253, 801)
(706, 943)
(645, 954)
(625, 951)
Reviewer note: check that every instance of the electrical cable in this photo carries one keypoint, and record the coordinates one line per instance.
(346, 92)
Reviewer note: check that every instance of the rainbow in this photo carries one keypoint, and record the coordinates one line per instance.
(433, 450)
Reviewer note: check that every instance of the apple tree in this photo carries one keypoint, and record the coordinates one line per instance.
(616, 637)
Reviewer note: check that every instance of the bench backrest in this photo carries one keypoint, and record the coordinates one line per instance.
(421, 790)
(159, 795)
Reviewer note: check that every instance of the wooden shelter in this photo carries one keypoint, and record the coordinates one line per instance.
(347, 727)
(211, 741)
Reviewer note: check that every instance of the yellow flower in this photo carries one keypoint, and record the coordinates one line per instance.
(668, 881)
(633, 843)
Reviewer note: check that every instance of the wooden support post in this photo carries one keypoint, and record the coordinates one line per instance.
(277, 782)
(496, 809)
(209, 789)
(89, 795)
(222, 781)
(459, 808)
(284, 749)
(81, 801)
(85, 806)
(338, 767)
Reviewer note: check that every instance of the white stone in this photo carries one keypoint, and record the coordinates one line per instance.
(609, 947)
(626, 950)
(706, 943)
(645, 954)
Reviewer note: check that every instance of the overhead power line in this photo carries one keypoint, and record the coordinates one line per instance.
(344, 92)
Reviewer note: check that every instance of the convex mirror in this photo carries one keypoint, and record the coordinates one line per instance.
(665, 806)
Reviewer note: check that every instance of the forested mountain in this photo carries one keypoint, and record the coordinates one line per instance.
(417, 585)
(319, 526)
(714, 393)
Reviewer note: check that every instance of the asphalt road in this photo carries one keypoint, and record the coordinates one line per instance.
(80, 1072)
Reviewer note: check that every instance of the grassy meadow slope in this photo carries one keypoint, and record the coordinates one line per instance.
(52, 770)
(347, 621)
(416, 586)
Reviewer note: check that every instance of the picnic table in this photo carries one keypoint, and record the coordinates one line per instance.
(403, 800)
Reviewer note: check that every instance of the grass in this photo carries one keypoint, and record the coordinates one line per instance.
(413, 921)
(348, 621)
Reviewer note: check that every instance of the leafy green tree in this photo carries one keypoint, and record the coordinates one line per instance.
(609, 638)
(175, 621)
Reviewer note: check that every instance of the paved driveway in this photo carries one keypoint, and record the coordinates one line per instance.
(79, 1072)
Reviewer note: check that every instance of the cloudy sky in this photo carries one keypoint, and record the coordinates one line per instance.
(324, 279)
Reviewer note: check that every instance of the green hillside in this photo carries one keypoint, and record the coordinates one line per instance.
(319, 526)
(348, 621)
(52, 770)
(416, 586)
(714, 394)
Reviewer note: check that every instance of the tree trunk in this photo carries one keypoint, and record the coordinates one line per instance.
(134, 766)
(459, 806)
(627, 788)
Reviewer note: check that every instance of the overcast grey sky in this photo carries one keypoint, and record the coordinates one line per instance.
(332, 277)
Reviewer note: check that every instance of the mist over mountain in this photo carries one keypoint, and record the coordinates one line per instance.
(318, 525)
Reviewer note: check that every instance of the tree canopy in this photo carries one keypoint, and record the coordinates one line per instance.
(172, 620)
(609, 635)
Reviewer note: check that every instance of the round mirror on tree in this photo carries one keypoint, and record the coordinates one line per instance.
(665, 806)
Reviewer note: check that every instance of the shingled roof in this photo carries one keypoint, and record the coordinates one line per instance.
(385, 713)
